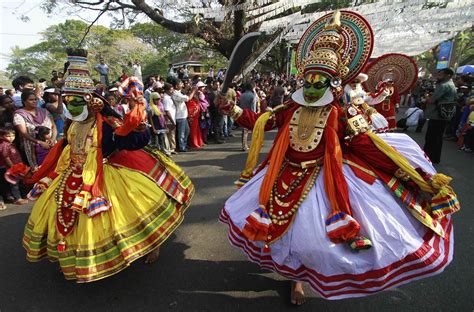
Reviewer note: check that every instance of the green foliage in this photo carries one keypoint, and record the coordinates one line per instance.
(154, 46)
(172, 46)
(276, 59)
(160, 38)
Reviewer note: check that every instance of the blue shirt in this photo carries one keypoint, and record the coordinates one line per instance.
(103, 69)
(248, 100)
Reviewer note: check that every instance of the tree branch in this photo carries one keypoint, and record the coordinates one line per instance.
(205, 30)
(126, 5)
(239, 17)
(91, 5)
(87, 2)
(106, 7)
(158, 18)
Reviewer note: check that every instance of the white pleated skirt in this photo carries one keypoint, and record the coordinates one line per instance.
(403, 249)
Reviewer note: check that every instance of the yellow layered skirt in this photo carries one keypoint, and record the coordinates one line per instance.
(141, 219)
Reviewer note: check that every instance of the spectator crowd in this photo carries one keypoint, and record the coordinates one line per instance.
(448, 103)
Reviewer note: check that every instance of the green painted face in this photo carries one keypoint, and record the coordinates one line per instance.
(75, 105)
(315, 86)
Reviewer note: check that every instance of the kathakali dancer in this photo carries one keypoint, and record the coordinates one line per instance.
(103, 198)
(357, 101)
(396, 73)
(333, 204)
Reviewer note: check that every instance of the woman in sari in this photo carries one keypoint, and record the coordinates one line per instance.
(26, 120)
(194, 112)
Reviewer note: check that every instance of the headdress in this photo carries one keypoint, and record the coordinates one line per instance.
(326, 56)
(337, 45)
(78, 81)
(131, 87)
(399, 68)
(77, 78)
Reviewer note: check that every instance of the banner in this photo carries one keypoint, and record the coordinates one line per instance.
(445, 49)
(293, 69)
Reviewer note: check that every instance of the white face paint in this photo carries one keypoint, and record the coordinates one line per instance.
(81, 117)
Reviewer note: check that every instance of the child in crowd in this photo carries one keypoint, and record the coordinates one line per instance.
(122, 109)
(110, 97)
(158, 123)
(9, 156)
(42, 134)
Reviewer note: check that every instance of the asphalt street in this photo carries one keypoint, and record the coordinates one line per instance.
(198, 270)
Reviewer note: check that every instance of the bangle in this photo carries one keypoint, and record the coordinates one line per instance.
(236, 112)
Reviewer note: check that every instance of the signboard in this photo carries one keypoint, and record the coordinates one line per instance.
(445, 49)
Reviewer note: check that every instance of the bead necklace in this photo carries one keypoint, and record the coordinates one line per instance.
(294, 184)
(282, 218)
(61, 219)
(59, 198)
(59, 192)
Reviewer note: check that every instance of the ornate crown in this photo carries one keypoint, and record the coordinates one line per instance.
(78, 80)
(326, 55)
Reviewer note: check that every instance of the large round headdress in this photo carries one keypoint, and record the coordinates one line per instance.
(77, 77)
(337, 45)
(131, 87)
(399, 68)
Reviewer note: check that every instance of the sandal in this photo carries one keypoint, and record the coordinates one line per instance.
(21, 201)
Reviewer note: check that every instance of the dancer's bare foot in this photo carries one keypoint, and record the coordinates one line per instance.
(297, 293)
(153, 256)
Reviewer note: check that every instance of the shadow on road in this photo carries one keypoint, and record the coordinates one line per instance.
(172, 282)
(229, 163)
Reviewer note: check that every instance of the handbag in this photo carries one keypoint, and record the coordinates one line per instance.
(402, 123)
(447, 110)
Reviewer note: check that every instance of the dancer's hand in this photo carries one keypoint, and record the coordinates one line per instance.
(224, 105)
(141, 127)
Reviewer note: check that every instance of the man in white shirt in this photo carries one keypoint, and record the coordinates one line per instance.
(210, 74)
(170, 111)
(415, 118)
(171, 74)
(182, 125)
(137, 70)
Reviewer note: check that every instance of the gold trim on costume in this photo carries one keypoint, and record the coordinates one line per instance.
(353, 164)
(236, 112)
(307, 127)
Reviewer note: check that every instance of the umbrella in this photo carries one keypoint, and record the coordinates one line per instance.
(466, 69)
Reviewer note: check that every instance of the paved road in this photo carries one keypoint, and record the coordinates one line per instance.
(199, 271)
